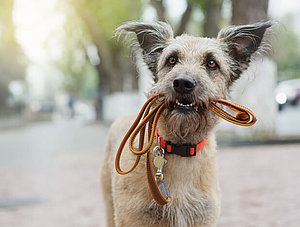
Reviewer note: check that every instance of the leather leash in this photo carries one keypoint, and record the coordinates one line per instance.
(243, 117)
(149, 119)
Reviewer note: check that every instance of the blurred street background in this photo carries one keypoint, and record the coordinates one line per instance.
(64, 79)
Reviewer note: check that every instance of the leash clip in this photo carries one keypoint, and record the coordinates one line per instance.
(159, 161)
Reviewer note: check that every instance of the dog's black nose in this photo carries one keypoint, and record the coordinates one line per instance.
(184, 84)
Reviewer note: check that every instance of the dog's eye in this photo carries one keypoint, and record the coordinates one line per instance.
(211, 64)
(172, 61)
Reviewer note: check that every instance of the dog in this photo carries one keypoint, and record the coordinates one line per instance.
(189, 72)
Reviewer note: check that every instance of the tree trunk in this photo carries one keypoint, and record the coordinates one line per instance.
(160, 9)
(257, 92)
(249, 11)
(185, 19)
(212, 18)
(111, 70)
(12, 64)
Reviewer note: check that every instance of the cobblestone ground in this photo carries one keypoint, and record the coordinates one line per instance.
(260, 184)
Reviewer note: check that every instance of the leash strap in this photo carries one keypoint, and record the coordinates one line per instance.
(243, 117)
(148, 118)
(161, 197)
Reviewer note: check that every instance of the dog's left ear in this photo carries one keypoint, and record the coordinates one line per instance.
(152, 38)
(244, 40)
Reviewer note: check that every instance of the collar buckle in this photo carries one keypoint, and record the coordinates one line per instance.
(183, 150)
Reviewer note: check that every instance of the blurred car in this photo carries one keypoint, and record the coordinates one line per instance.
(287, 93)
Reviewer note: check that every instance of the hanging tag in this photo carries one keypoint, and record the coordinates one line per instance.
(158, 162)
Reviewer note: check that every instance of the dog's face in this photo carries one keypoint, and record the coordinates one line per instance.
(190, 72)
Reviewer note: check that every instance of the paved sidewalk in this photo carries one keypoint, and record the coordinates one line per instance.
(49, 177)
(260, 186)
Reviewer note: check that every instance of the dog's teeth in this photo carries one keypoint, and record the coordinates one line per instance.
(184, 105)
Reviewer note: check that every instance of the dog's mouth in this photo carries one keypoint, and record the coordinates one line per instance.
(186, 105)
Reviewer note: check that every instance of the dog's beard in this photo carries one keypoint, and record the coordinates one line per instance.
(186, 125)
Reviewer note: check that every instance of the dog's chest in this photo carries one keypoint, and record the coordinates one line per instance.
(189, 204)
(185, 210)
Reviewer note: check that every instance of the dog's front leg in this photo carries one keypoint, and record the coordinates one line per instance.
(105, 179)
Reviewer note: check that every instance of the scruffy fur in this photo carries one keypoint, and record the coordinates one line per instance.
(192, 181)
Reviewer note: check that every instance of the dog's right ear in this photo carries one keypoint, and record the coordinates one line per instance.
(152, 38)
(244, 40)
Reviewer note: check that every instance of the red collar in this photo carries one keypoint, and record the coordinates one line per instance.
(184, 150)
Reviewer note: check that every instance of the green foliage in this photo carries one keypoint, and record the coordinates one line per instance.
(12, 59)
(108, 14)
(203, 3)
(79, 77)
(287, 51)
(88, 23)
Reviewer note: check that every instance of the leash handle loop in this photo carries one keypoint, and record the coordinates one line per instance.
(139, 127)
(145, 109)
(243, 117)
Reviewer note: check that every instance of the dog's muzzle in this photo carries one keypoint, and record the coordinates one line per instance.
(184, 85)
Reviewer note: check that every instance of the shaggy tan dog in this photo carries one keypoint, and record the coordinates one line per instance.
(189, 72)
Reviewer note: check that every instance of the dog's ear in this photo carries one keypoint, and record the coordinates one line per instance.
(244, 40)
(152, 38)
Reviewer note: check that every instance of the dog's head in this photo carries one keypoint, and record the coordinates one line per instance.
(192, 71)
